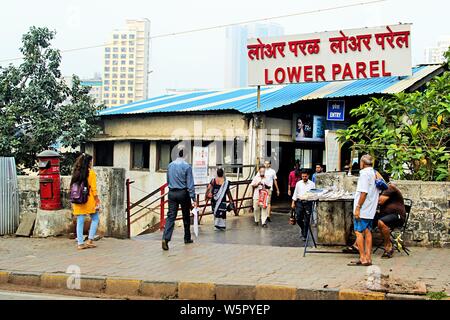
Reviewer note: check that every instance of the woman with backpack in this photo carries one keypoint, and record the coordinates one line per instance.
(84, 198)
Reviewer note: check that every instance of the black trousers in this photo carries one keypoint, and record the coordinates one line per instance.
(178, 198)
(303, 211)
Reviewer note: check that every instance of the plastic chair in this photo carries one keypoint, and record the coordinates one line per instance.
(398, 233)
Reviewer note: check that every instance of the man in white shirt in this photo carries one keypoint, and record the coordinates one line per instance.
(303, 209)
(364, 208)
(259, 183)
(271, 178)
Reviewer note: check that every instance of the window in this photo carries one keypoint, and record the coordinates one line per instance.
(107, 69)
(140, 155)
(123, 69)
(130, 69)
(115, 49)
(114, 82)
(107, 56)
(106, 101)
(131, 62)
(131, 43)
(131, 36)
(122, 88)
(130, 88)
(131, 56)
(123, 62)
(229, 153)
(106, 88)
(130, 95)
(113, 101)
(107, 49)
(123, 49)
(122, 82)
(115, 62)
(106, 95)
(107, 62)
(123, 56)
(130, 101)
(130, 82)
(164, 153)
(115, 56)
(122, 101)
(131, 49)
(106, 82)
(104, 153)
(123, 75)
(114, 95)
(115, 69)
(123, 36)
(124, 43)
(114, 75)
(122, 95)
(107, 75)
(115, 36)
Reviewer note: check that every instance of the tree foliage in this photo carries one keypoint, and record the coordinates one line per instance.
(408, 133)
(37, 108)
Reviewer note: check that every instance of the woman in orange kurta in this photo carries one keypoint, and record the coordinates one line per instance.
(82, 171)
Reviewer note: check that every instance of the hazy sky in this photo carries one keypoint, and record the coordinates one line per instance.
(198, 60)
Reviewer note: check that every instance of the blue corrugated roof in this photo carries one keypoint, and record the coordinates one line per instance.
(244, 99)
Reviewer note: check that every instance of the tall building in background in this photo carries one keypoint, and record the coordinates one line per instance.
(436, 54)
(236, 50)
(126, 62)
(96, 91)
(95, 83)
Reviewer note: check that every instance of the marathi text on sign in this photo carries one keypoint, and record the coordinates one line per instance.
(331, 56)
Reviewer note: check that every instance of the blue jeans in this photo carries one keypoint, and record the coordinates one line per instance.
(92, 229)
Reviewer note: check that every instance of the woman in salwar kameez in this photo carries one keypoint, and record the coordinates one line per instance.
(217, 191)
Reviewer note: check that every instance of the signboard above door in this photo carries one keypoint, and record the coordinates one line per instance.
(336, 110)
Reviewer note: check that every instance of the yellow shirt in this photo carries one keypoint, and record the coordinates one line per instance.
(89, 206)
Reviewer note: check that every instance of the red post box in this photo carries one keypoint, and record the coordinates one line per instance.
(49, 180)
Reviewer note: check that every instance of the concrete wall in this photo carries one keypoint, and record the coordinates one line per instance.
(185, 126)
(430, 214)
(111, 190)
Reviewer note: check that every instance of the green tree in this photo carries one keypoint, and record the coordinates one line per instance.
(408, 133)
(37, 108)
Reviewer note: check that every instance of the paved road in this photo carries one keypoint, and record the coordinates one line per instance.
(14, 295)
(241, 230)
(249, 258)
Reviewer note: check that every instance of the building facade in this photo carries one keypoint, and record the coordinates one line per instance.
(126, 64)
(236, 54)
(96, 91)
(436, 54)
(141, 137)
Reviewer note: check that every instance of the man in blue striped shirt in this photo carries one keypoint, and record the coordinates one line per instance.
(181, 192)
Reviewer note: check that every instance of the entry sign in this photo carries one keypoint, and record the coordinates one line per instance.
(336, 110)
(349, 54)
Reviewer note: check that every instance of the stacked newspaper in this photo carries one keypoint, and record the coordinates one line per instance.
(327, 195)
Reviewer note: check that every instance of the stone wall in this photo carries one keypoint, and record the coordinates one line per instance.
(429, 219)
(111, 190)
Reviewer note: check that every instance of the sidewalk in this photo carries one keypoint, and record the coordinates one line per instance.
(225, 264)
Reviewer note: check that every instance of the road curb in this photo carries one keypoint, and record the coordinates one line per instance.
(350, 294)
(117, 286)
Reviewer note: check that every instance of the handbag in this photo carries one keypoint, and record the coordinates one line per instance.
(292, 219)
(263, 198)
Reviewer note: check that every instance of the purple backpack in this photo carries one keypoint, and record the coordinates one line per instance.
(79, 193)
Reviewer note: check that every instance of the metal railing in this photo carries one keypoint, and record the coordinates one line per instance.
(156, 201)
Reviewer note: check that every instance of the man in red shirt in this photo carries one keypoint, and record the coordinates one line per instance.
(294, 177)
